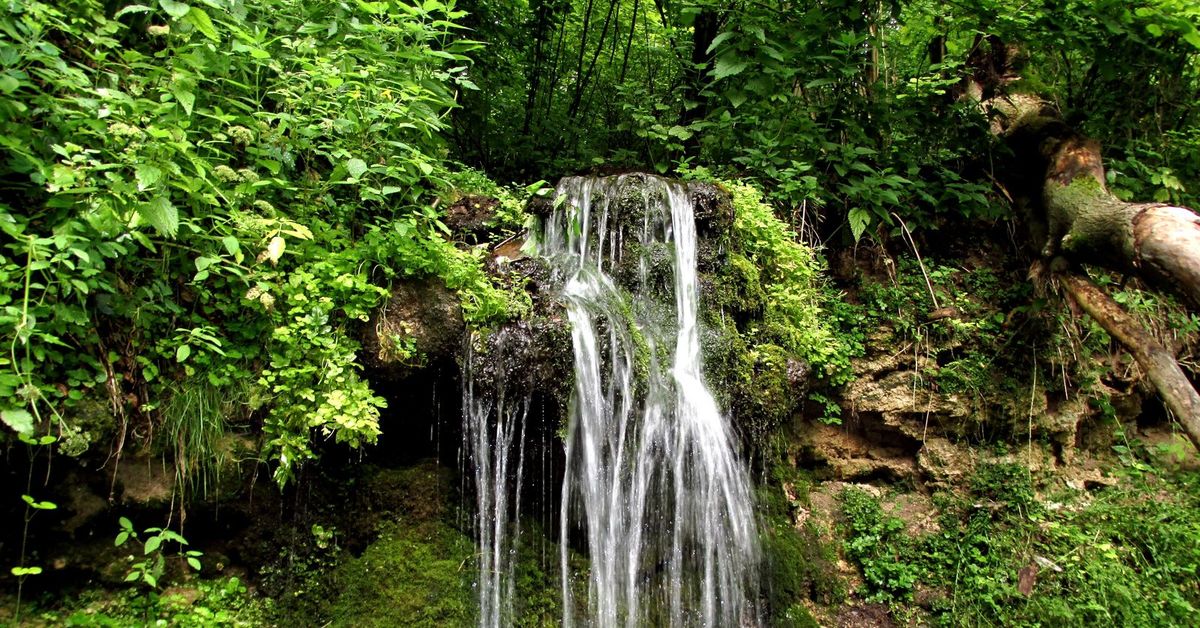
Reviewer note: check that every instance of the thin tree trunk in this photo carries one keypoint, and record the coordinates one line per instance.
(629, 41)
(582, 84)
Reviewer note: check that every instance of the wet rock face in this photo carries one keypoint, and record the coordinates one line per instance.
(420, 323)
(714, 210)
(526, 357)
(468, 217)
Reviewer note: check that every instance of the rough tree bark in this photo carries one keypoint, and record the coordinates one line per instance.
(1056, 176)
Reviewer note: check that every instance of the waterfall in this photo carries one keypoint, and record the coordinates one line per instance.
(493, 427)
(652, 478)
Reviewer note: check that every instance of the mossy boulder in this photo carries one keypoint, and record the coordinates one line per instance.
(419, 324)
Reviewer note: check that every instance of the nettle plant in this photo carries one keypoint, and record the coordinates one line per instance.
(216, 192)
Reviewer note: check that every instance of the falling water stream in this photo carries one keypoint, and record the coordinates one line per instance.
(653, 488)
(494, 428)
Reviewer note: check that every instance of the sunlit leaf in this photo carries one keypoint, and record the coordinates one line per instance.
(174, 9)
(21, 421)
(199, 19)
(161, 215)
(275, 249)
(356, 167)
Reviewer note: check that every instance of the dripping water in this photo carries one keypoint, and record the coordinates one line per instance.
(493, 432)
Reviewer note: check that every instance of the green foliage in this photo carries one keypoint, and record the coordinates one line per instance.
(1118, 558)
(201, 604)
(212, 196)
(149, 570)
(876, 541)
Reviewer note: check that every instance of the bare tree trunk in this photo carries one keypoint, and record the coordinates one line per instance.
(1084, 222)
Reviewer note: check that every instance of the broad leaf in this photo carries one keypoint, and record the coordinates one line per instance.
(174, 9)
(19, 420)
(185, 96)
(859, 219)
(199, 19)
(161, 215)
(356, 167)
(728, 66)
(147, 175)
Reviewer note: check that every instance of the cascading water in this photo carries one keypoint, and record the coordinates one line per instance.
(493, 431)
(652, 476)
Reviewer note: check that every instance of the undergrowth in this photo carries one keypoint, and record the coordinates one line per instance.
(1126, 555)
(197, 604)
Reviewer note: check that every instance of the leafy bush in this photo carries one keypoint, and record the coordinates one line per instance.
(215, 194)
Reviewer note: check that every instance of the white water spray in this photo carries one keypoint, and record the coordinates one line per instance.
(652, 476)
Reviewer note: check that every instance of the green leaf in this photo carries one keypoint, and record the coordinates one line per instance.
(356, 167)
(153, 544)
(133, 575)
(161, 215)
(182, 352)
(125, 523)
(198, 18)
(728, 66)
(1192, 37)
(271, 165)
(859, 219)
(121, 538)
(232, 246)
(185, 97)
(33, 503)
(174, 9)
(718, 40)
(195, 563)
(133, 8)
(147, 175)
(8, 83)
(26, 571)
(19, 420)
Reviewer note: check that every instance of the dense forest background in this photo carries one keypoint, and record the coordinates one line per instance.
(203, 201)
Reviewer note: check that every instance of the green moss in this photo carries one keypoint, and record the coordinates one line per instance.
(778, 282)
(422, 574)
(798, 565)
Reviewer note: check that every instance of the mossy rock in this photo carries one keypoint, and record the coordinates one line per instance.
(420, 323)
(413, 576)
